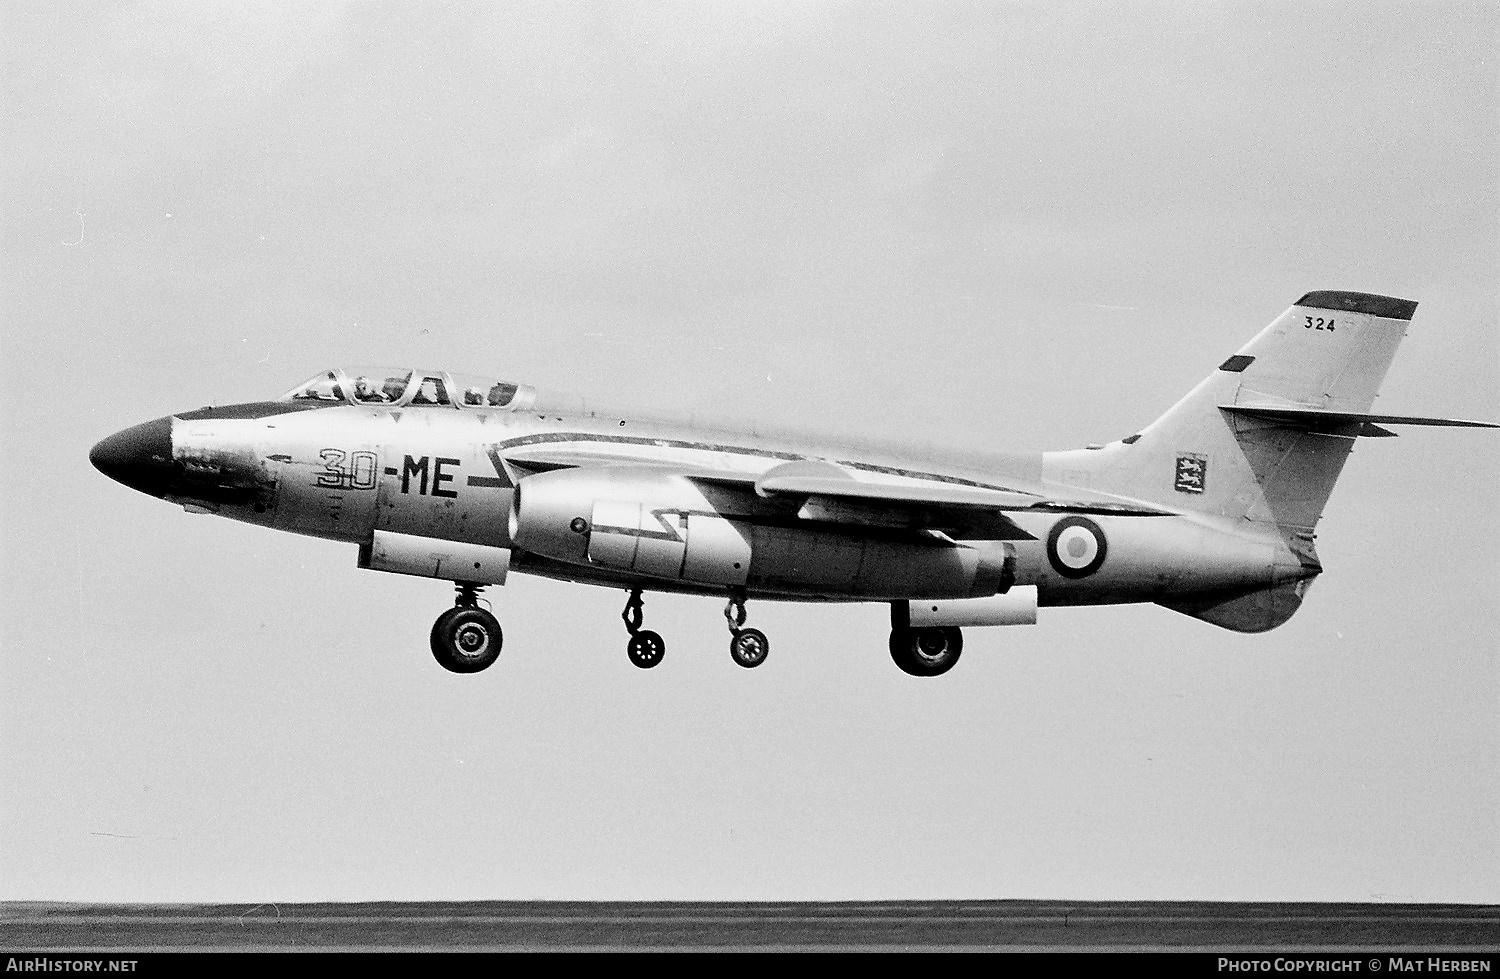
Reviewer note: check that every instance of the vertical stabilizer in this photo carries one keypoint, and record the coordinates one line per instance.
(1321, 362)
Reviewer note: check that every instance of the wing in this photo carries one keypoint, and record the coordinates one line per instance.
(864, 497)
(829, 493)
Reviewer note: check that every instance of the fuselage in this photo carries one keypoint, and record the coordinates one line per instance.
(522, 477)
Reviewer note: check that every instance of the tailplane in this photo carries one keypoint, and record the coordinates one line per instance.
(1263, 438)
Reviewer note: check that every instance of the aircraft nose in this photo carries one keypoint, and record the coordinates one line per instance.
(139, 456)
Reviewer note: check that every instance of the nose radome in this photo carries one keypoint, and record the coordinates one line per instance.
(140, 456)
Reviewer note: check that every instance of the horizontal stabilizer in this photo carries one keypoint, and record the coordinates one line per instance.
(1319, 418)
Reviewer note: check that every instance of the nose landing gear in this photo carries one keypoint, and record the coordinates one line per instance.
(747, 647)
(466, 638)
(646, 648)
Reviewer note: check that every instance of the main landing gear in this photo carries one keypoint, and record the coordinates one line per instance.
(747, 647)
(645, 648)
(926, 651)
(466, 638)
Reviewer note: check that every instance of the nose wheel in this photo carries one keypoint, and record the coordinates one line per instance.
(646, 648)
(466, 638)
(747, 647)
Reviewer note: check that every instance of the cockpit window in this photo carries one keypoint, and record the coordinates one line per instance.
(431, 391)
(379, 387)
(324, 387)
(375, 386)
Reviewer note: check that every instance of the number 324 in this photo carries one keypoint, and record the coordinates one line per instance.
(1318, 324)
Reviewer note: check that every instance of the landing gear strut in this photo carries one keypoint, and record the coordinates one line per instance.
(645, 648)
(466, 638)
(747, 647)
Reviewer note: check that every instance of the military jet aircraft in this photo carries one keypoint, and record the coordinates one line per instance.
(1208, 511)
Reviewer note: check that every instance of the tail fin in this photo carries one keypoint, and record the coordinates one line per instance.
(1264, 437)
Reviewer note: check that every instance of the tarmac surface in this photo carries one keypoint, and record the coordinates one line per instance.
(531, 926)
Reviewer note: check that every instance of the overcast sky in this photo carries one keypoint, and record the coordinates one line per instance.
(999, 225)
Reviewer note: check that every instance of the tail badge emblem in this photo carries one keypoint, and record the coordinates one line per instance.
(1192, 474)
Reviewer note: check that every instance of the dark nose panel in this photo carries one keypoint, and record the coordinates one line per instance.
(140, 457)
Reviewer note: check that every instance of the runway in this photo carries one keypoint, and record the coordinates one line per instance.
(524, 926)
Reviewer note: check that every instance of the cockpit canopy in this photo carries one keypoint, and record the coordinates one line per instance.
(406, 387)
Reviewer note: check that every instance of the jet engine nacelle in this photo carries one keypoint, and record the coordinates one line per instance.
(665, 525)
(596, 517)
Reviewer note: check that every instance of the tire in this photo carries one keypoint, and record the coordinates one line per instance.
(929, 651)
(466, 639)
(749, 648)
(646, 649)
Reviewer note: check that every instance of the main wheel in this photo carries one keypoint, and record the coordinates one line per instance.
(928, 651)
(466, 639)
(749, 647)
(646, 649)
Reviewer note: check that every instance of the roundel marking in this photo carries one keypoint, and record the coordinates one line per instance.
(1076, 547)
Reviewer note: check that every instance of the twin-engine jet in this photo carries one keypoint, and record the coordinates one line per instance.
(1208, 511)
